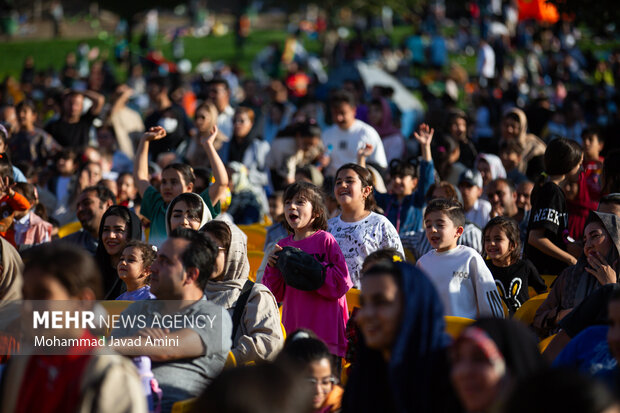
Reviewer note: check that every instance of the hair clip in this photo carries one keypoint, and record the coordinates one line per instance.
(396, 258)
(300, 335)
(154, 248)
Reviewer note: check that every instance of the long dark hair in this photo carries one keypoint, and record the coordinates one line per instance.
(314, 195)
(111, 283)
(366, 178)
(509, 227)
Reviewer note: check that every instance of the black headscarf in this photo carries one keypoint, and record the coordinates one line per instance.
(112, 285)
(416, 378)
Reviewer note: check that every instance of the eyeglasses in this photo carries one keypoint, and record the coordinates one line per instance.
(325, 382)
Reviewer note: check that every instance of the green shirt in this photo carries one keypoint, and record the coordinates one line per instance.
(154, 208)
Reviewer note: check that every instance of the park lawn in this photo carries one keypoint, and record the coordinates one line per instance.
(51, 53)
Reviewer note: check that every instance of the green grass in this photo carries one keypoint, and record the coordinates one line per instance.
(51, 53)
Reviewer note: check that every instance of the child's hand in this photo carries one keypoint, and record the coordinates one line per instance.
(6, 188)
(365, 151)
(204, 140)
(424, 134)
(273, 257)
(155, 133)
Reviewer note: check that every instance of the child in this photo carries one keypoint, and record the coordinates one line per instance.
(29, 228)
(462, 280)
(511, 154)
(126, 190)
(134, 269)
(10, 201)
(276, 231)
(476, 210)
(546, 241)
(512, 275)
(31, 144)
(358, 230)
(305, 352)
(177, 178)
(324, 310)
(404, 204)
(593, 143)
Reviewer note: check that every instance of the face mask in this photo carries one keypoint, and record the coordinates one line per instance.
(170, 124)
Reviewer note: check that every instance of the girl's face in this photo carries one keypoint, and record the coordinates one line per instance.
(321, 378)
(173, 185)
(497, 245)
(204, 122)
(114, 235)
(381, 311)
(180, 217)
(298, 212)
(241, 125)
(475, 379)
(596, 239)
(485, 170)
(131, 265)
(349, 191)
(220, 260)
(92, 174)
(126, 188)
(65, 166)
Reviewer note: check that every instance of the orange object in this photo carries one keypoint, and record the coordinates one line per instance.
(539, 10)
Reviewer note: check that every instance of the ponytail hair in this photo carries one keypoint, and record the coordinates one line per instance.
(366, 178)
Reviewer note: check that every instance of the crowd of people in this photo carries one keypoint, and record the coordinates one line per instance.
(141, 191)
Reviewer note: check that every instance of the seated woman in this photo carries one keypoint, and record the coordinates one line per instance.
(257, 333)
(118, 226)
(597, 266)
(401, 363)
(488, 358)
(305, 352)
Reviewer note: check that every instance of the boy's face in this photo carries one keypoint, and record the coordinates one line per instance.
(26, 116)
(458, 129)
(510, 159)
(470, 194)
(441, 231)
(403, 185)
(592, 146)
(343, 115)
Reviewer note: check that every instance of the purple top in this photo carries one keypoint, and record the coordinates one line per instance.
(143, 293)
(323, 311)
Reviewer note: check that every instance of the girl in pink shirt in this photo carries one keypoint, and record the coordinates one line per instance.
(324, 310)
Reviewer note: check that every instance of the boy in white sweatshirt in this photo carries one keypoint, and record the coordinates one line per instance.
(462, 279)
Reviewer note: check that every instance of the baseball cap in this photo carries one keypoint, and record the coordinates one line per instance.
(470, 177)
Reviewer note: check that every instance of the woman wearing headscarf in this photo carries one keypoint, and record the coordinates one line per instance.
(187, 210)
(488, 358)
(118, 226)
(490, 167)
(514, 126)
(11, 283)
(257, 332)
(597, 266)
(380, 118)
(401, 357)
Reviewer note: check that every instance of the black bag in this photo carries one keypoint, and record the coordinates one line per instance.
(300, 269)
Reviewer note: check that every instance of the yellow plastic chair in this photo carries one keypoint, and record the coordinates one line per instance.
(184, 406)
(255, 258)
(527, 311)
(532, 292)
(456, 325)
(114, 307)
(353, 299)
(231, 361)
(542, 346)
(549, 279)
(69, 229)
(256, 236)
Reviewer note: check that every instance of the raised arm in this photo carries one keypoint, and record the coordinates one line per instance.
(425, 136)
(97, 99)
(217, 190)
(141, 162)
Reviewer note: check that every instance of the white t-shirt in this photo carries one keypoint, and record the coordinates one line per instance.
(344, 145)
(479, 214)
(225, 121)
(464, 283)
(358, 239)
(486, 61)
